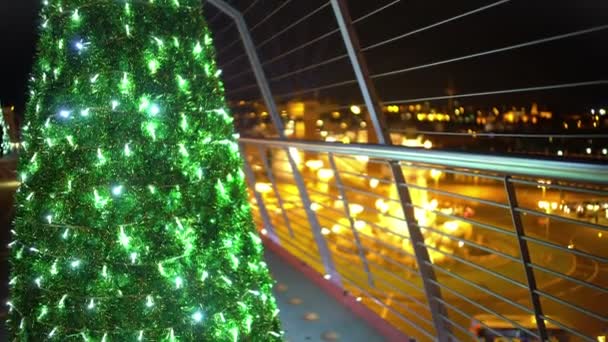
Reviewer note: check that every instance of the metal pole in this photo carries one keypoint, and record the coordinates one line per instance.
(275, 188)
(258, 197)
(372, 101)
(262, 82)
(351, 220)
(525, 259)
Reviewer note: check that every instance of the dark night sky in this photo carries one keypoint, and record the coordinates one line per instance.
(577, 59)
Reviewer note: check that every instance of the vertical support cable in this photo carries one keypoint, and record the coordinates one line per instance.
(262, 82)
(250, 175)
(342, 193)
(525, 259)
(372, 101)
(275, 188)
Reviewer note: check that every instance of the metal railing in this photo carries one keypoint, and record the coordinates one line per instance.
(523, 253)
(444, 245)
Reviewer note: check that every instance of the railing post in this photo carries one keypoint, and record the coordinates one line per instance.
(275, 188)
(351, 221)
(250, 175)
(262, 82)
(525, 259)
(372, 102)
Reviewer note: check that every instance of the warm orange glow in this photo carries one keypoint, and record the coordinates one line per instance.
(314, 164)
(325, 174)
(263, 187)
(355, 209)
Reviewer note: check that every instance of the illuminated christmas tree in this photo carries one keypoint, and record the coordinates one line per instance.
(132, 218)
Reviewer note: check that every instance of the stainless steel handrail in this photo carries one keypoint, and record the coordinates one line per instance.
(543, 168)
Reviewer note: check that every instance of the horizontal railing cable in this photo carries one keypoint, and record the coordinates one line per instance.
(276, 10)
(459, 327)
(489, 52)
(312, 41)
(482, 307)
(401, 293)
(572, 306)
(470, 243)
(278, 34)
(439, 23)
(495, 92)
(569, 278)
(382, 304)
(251, 29)
(367, 48)
(564, 249)
(509, 135)
(561, 187)
(475, 266)
(569, 329)
(466, 220)
(455, 195)
(563, 219)
(311, 90)
(399, 71)
(454, 172)
(469, 317)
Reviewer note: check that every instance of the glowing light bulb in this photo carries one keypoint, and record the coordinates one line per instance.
(64, 114)
(197, 48)
(91, 305)
(117, 190)
(124, 239)
(133, 257)
(75, 264)
(153, 66)
(179, 282)
(197, 317)
(128, 151)
(76, 16)
(114, 104)
(149, 301)
(154, 109)
(85, 112)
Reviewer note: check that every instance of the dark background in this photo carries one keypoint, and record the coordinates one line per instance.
(577, 59)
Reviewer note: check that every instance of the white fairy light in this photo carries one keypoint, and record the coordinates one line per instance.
(117, 190)
(197, 317)
(149, 301)
(154, 109)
